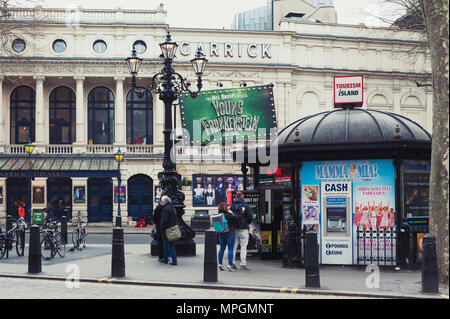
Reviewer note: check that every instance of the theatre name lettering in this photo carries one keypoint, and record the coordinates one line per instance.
(227, 49)
(34, 174)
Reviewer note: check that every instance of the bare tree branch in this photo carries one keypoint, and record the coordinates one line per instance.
(13, 26)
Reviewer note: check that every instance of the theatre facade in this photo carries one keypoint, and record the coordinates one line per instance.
(65, 86)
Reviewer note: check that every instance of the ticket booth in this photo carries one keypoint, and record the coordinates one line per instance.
(359, 176)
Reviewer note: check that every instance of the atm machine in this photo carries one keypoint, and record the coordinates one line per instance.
(336, 224)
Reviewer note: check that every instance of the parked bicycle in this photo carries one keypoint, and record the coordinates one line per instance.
(79, 235)
(15, 237)
(51, 240)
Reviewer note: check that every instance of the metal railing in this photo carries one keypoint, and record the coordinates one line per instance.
(376, 247)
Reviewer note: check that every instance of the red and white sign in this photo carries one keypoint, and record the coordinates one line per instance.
(282, 179)
(348, 89)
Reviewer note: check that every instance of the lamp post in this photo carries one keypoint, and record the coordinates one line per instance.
(169, 84)
(119, 158)
(29, 148)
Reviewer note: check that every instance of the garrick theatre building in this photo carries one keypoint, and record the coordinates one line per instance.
(67, 87)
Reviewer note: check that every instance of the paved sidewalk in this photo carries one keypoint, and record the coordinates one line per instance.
(94, 264)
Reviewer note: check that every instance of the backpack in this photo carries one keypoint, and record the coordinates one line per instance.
(220, 223)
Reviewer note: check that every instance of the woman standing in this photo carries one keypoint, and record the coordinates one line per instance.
(228, 238)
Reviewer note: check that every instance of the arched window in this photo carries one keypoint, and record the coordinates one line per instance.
(62, 116)
(101, 116)
(22, 115)
(139, 117)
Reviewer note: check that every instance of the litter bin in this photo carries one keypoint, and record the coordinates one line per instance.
(38, 216)
(200, 220)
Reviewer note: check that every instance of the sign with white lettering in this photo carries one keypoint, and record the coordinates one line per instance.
(348, 90)
(228, 114)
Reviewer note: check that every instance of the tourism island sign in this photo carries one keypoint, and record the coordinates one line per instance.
(348, 90)
(226, 115)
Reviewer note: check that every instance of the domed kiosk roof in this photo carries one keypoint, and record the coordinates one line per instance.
(346, 133)
(353, 125)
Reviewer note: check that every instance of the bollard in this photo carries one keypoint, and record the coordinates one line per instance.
(312, 279)
(118, 254)
(118, 221)
(34, 251)
(8, 225)
(64, 229)
(404, 245)
(430, 283)
(210, 259)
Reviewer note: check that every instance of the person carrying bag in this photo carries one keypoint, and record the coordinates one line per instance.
(169, 229)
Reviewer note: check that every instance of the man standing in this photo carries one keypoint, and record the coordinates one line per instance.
(158, 235)
(168, 220)
(243, 216)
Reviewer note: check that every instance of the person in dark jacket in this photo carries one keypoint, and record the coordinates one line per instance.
(158, 236)
(168, 219)
(243, 216)
(228, 238)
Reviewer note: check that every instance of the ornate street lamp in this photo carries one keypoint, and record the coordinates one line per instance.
(119, 158)
(29, 148)
(169, 84)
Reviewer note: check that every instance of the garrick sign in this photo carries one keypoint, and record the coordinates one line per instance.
(228, 114)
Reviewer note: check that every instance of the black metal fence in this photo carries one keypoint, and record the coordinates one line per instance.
(376, 247)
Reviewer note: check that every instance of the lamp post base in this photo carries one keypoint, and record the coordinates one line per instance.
(183, 247)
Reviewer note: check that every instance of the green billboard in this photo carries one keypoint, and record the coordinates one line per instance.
(228, 114)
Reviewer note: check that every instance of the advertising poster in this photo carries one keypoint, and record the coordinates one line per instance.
(38, 195)
(420, 247)
(228, 114)
(122, 194)
(415, 184)
(374, 211)
(370, 207)
(254, 238)
(158, 194)
(79, 194)
(266, 241)
(208, 190)
(310, 205)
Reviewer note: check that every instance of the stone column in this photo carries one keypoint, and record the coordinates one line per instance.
(119, 113)
(81, 118)
(40, 116)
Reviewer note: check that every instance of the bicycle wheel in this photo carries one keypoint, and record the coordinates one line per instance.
(2, 246)
(76, 237)
(61, 247)
(48, 249)
(20, 242)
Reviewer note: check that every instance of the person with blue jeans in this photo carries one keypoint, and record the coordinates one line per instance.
(227, 239)
(168, 220)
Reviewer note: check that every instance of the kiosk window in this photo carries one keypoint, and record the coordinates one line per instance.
(415, 194)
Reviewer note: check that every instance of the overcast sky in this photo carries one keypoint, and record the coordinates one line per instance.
(219, 13)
